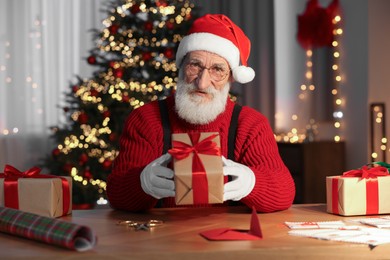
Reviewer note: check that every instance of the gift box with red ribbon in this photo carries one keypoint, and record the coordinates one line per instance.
(30, 191)
(198, 168)
(364, 191)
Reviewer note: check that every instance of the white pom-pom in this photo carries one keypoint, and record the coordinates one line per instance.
(243, 74)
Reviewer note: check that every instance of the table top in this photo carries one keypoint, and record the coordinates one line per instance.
(178, 237)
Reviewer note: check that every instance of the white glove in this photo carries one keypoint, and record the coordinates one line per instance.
(242, 183)
(157, 178)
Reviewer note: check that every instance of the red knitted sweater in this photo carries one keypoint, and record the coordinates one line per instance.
(142, 142)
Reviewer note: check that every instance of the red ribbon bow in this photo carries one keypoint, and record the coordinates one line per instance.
(372, 190)
(182, 150)
(365, 172)
(11, 176)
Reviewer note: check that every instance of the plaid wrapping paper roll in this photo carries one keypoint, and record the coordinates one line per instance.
(48, 230)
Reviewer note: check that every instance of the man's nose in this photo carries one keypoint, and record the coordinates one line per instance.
(204, 80)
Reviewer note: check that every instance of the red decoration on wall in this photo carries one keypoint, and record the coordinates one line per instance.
(315, 26)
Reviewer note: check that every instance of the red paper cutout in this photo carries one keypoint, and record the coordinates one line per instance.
(220, 234)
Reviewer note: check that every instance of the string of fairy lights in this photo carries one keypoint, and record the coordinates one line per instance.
(306, 90)
(116, 87)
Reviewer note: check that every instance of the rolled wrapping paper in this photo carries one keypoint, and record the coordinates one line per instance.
(48, 230)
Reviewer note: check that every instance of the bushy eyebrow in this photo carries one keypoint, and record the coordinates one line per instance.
(197, 61)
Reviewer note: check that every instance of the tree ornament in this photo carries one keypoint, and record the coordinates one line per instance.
(67, 167)
(112, 64)
(56, 152)
(148, 26)
(91, 60)
(125, 98)
(118, 73)
(66, 109)
(94, 93)
(107, 164)
(106, 114)
(146, 56)
(83, 158)
(169, 25)
(82, 118)
(75, 88)
(161, 3)
(169, 53)
(135, 9)
(113, 137)
(88, 174)
(113, 29)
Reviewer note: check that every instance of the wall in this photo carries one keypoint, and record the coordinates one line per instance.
(290, 68)
(379, 56)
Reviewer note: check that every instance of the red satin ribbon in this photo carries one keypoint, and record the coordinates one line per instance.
(372, 189)
(11, 176)
(182, 150)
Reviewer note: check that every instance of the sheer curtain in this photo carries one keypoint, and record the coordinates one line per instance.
(43, 44)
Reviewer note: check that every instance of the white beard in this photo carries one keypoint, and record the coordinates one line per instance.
(194, 109)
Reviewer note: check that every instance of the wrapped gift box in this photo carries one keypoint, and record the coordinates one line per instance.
(363, 195)
(41, 195)
(198, 168)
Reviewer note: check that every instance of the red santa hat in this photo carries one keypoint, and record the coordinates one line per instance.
(216, 33)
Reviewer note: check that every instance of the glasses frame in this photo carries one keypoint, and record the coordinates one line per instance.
(202, 68)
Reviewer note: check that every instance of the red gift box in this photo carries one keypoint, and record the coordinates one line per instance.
(365, 191)
(198, 168)
(30, 191)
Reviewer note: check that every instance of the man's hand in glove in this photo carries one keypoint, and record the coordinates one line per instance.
(157, 178)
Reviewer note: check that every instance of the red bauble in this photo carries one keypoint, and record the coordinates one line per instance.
(88, 174)
(112, 64)
(67, 167)
(91, 59)
(106, 114)
(125, 98)
(83, 118)
(169, 53)
(75, 88)
(94, 93)
(146, 56)
(113, 28)
(113, 137)
(83, 158)
(169, 25)
(162, 3)
(118, 73)
(107, 164)
(135, 9)
(66, 109)
(148, 26)
(56, 152)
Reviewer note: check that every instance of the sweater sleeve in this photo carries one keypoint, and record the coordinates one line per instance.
(256, 147)
(139, 145)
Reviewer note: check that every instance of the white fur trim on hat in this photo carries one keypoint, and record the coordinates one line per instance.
(218, 45)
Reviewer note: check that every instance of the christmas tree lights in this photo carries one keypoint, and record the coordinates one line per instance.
(134, 60)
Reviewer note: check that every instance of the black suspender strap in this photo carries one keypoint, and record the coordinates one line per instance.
(233, 131)
(165, 124)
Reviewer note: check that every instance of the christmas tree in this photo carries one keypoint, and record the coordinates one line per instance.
(135, 64)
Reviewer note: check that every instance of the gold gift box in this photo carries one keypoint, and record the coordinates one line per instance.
(351, 196)
(42, 196)
(183, 172)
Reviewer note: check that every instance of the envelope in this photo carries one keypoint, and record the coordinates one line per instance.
(221, 234)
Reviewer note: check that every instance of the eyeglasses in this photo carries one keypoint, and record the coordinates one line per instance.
(217, 73)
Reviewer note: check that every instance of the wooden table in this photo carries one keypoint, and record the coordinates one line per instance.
(178, 237)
